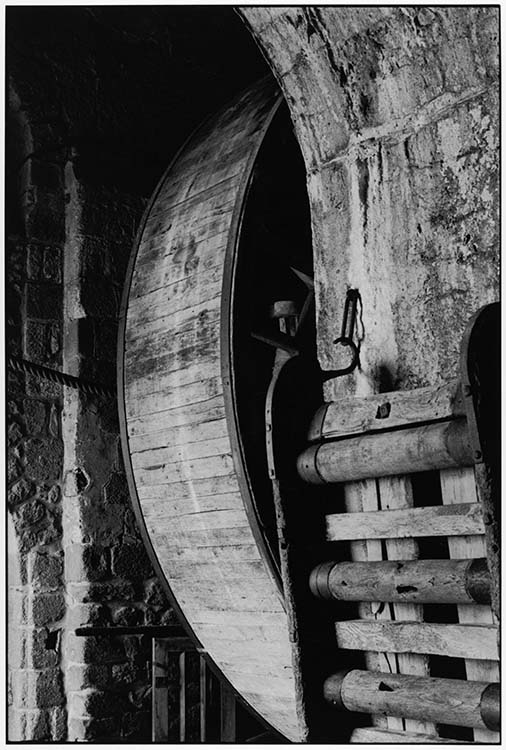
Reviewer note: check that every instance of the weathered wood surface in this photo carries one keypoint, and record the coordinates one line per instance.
(455, 486)
(440, 700)
(422, 581)
(455, 520)
(435, 446)
(178, 427)
(400, 637)
(386, 411)
(383, 737)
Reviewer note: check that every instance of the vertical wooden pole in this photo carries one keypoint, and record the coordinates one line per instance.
(203, 698)
(362, 496)
(160, 691)
(458, 486)
(182, 696)
(395, 493)
(227, 704)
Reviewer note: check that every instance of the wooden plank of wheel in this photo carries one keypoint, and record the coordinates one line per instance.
(179, 428)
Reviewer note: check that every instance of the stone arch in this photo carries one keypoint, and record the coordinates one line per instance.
(396, 111)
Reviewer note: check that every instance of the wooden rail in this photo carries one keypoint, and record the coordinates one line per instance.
(423, 581)
(456, 702)
(440, 445)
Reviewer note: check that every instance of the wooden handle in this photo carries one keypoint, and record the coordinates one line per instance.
(436, 446)
(422, 581)
(457, 702)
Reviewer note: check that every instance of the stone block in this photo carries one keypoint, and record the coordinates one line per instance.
(44, 459)
(45, 570)
(26, 725)
(20, 491)
(128, 616)
(52, 264)
(81, 676)
(18, 607)
(14, 433)
(44, 301)
(29, 514)
(35, 416)
(131, 561)
(115, 490)
(37, 689)
(155, 595)
(54, 494)
(34, 261)
(86, 563)
(47, 608)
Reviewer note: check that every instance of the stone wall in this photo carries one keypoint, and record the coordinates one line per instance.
(35, 458)
(396, 111)
(100, 100)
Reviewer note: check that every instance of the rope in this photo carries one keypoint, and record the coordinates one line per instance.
(55, 376)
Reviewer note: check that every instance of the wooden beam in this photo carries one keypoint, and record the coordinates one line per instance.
(436, 446)
(182, 697)
(160, 692)
(455, 702)
(386, 411)
(439, 520)
(422, 581)
(458, 641)
(368, 735)
(227, 712)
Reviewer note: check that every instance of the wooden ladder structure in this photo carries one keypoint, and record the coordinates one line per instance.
(415, 553)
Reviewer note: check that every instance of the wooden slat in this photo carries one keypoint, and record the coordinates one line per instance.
(458, 641)
(203, 698)
(449, 520)
(395, 493)
(458, 485)
(160, 692)
(227, 715)
(356, 416)
(182, 696)
(363, 496)
(373, 735)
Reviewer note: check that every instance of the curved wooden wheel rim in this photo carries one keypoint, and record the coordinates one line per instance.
(266, 663)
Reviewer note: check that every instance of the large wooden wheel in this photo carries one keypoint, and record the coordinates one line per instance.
(208, 528)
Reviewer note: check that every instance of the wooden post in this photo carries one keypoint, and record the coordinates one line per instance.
(457, 702)
(160, 691)
(422, 581)
(182, 696)
(227, 705)
(203, 698)
(434, 446)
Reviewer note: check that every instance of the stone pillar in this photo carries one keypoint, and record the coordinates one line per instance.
(109, 578)
(35, 562)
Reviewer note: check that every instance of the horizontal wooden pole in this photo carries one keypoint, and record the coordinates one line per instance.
(443, 701)
(458, 641)
(375, 735)
(440, 520)
(422, 581)
(442, 445)
(385, 411)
